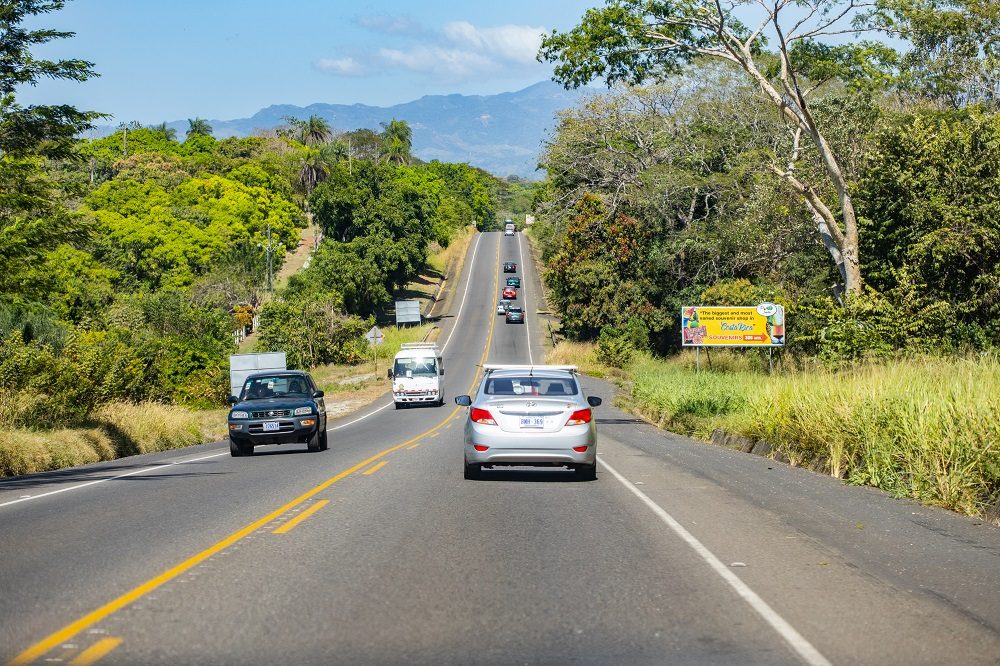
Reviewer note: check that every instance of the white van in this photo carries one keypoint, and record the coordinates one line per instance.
(509, 228)
(418, 374)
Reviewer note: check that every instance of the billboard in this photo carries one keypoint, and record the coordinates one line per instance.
(754, 326)
(407, 312)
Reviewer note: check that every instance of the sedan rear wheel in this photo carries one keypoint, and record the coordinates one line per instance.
(587, 472)
(473, 471)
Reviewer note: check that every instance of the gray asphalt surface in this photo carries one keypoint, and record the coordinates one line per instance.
(726, 558)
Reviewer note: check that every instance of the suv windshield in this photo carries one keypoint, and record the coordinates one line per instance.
(544, 386)
(278, 386)
(417, 367)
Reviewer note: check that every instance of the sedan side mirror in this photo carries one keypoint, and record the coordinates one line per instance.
(463, 400)
(594, 401)
(318, 394)
(233, 400)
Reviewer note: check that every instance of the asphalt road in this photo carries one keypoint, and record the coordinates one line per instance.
(378, 551)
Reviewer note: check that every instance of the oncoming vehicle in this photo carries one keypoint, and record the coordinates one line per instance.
(502, 306)
(508, 229)
(509, 267)
(417, 375)
(510, 293)
(277, 408)
(530, 415)
(515, 315)
(514, 282)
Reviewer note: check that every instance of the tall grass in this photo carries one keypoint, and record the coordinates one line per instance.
(925, 428)
(118, 429)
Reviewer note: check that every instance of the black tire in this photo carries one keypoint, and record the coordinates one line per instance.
(314, 443)
(324, 442)
(399, 405)
(587, 472)
(238, 450)
(473, 472)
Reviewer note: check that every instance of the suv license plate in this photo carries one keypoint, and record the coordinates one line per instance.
(532, 422)
(270, 426)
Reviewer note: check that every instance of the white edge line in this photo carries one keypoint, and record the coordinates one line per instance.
(468, 284)
(112, 478)
(454, 328)
(794, 639)
(524, 271)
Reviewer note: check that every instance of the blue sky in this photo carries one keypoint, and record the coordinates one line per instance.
(223, 59)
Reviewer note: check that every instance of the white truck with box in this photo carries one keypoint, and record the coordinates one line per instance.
(242, 366)
(417, 375)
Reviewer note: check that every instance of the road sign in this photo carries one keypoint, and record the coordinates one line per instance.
(375, 336)
(408, 312)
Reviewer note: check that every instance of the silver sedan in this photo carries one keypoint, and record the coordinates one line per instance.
(533, 416)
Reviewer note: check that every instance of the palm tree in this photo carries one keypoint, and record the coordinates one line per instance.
(169, 132)
(314, 168)
(397, 141)
(316, 130)
(198, 126)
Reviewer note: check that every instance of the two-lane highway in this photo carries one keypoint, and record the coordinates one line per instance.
(378, 551)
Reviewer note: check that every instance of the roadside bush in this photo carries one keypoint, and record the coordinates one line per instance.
(312, 331)
(614, 348)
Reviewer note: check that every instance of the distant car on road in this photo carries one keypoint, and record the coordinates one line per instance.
(510, 293)
(509, 267)
(277, 408)
(502, 306)
(515, 315)
(514, 282)
(533, 416)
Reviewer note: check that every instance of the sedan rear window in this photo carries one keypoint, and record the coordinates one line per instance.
(542, 386)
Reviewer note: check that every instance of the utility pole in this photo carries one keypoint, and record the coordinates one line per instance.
(270, 253)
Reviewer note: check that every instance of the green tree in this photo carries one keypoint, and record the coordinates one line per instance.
(397, 142)
(198, 127)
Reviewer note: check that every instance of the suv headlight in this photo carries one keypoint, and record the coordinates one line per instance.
(238, 415)
(302, 411)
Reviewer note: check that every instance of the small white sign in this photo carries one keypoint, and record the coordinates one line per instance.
(766, 309)
(375, 336)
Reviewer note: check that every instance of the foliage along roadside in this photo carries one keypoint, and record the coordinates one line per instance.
(924, 428)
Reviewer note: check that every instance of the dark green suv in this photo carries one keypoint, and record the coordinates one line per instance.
(282, 407)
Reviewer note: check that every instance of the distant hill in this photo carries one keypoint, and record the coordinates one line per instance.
(501, 133)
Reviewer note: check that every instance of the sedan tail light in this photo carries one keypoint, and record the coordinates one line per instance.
(480, 447)
(483, 416)
(579, 417)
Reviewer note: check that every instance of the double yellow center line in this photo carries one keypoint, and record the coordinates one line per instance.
(90, 619)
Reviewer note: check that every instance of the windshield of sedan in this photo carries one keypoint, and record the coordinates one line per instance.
(417, 367)
(542, 386)
(278, 386)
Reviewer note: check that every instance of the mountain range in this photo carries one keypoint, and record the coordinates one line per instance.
(502, 133)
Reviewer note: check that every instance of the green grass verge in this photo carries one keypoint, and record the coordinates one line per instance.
(926, 428)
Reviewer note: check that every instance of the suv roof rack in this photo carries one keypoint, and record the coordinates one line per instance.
(418, 345)
(491, 367)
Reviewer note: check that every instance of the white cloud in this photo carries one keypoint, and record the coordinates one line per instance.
(341, 66)
(449, 63)
(459, 51)
(513, 43)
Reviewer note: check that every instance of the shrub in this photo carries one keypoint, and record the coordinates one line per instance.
(614, 348)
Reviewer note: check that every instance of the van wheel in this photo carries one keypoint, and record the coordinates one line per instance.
(399, 405)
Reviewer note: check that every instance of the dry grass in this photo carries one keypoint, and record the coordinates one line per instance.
(118, 429)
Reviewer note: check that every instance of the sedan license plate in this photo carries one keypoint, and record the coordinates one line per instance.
(532, 422)
(270, 426)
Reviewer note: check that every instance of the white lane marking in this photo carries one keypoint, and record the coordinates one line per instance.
(461, 306)
(794, 639)
(112, 478)
(524, 271)
(361, 418)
